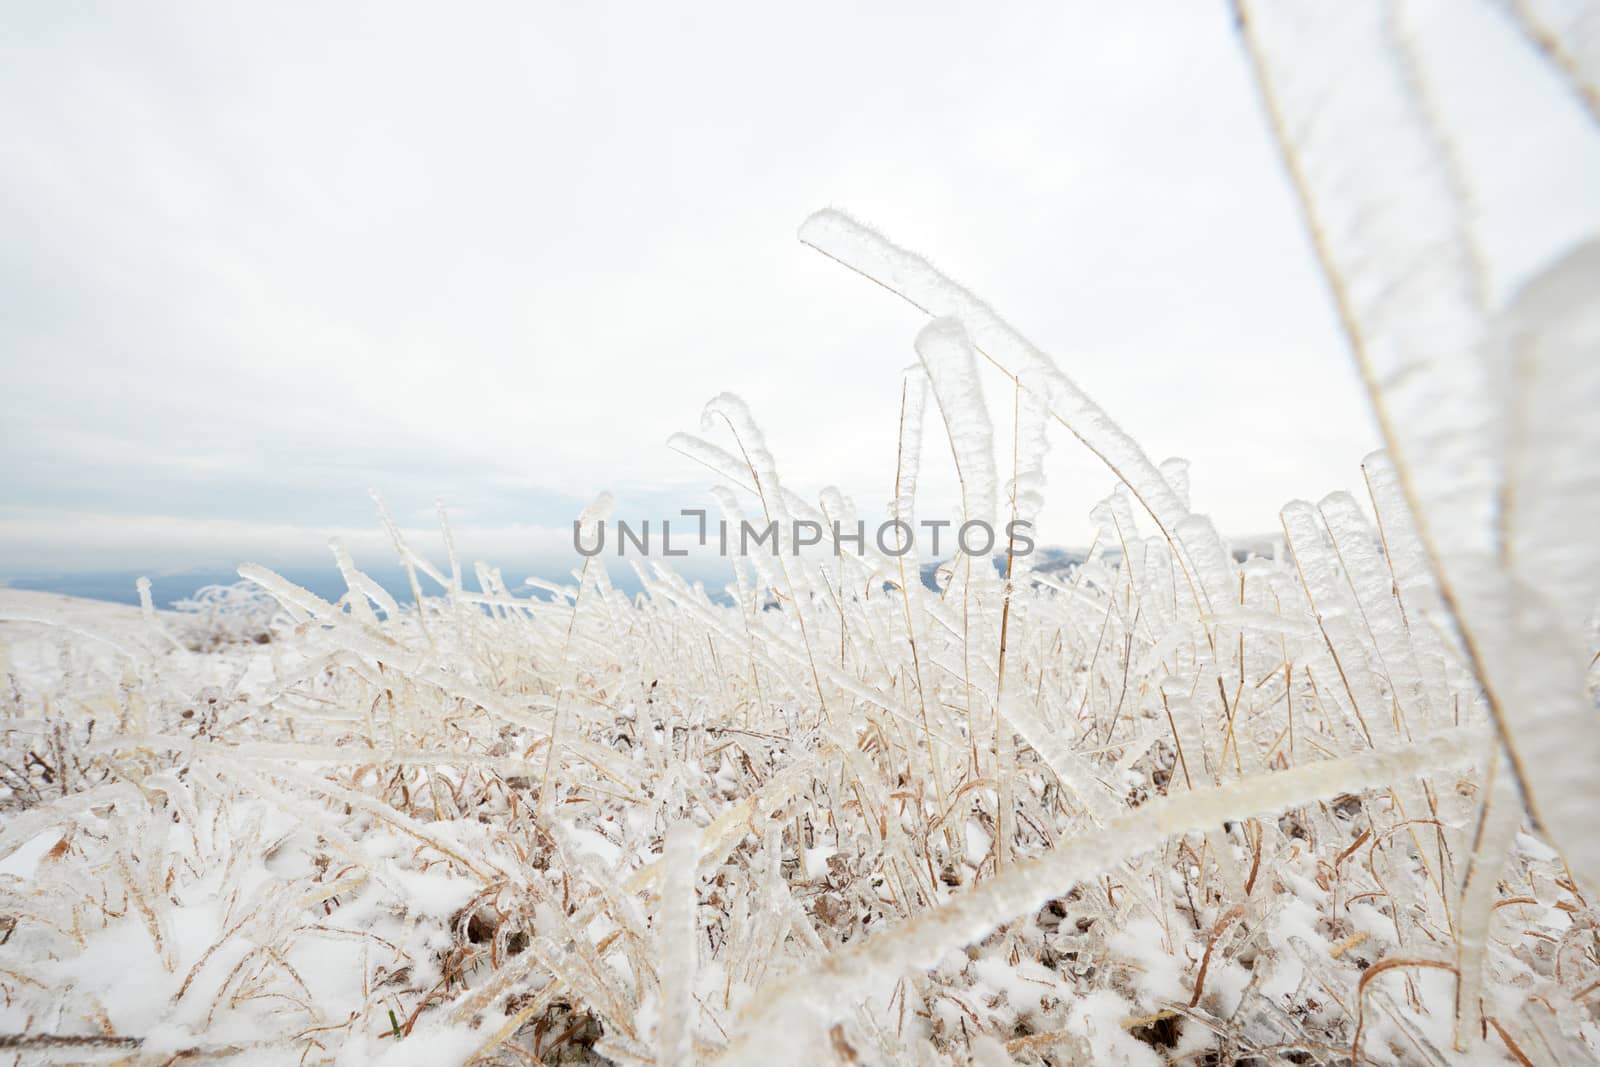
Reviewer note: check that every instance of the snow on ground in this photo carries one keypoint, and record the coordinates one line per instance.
(278, 830)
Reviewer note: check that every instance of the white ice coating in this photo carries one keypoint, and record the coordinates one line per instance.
(1501, 481)
(1054, 746)
(1545, 353)
(1568, 32)
(1498, 832)
(1545, 348)
(409, 557)
(1032, 445)
(807, 1003)
(947, 357)
(1383, 629)
(361, 586)
(1391, 226)
(449, 545)
(914, 392)
(914, 278)
(597, 510)
(676, 944)
(1334, 606)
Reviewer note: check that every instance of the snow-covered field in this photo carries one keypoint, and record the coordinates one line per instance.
(351, 841)
(1171, 805)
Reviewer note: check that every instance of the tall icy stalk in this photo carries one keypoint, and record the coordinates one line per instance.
(1502, 479)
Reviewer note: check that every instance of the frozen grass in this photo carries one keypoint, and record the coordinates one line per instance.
(1167, 807)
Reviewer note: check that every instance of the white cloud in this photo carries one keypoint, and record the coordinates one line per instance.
(260, 257)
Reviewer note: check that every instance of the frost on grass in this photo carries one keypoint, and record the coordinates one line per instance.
(1173, 804)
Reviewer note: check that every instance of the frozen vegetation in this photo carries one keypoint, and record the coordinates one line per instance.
(1334, 806)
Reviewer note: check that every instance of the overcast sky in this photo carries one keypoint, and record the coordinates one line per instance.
(258, 258)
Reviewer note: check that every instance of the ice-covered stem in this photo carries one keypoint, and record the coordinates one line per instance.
(677, 950)
(732, 411)
(408, 558)
(1501, 481)
(908, 465)
(1054, 746)
(917, 281)
(1497, 831)
(591, 517)
(1565, 35)
(807, 1002)
(362, 588)
(947, 357)
(449, 546)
